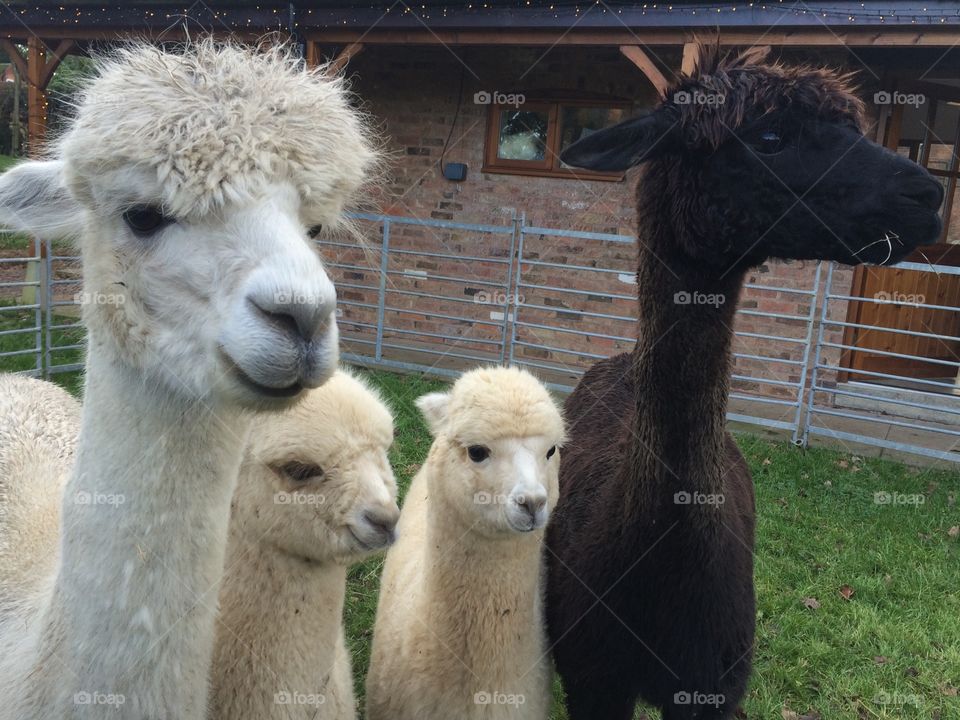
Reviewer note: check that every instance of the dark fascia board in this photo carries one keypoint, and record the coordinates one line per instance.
(268, 15)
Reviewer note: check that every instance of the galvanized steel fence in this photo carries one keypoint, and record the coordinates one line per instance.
(438, 297)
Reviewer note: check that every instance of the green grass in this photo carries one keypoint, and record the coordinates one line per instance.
(819, 530)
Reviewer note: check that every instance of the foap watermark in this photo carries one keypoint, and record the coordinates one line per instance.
(485, 97)
(698, 298)
(697, 498)
(297, 298)
(898, 699)
(685, 697)
(895, 97)
(285, 697)
(885, 298)
(485, 498)
(497, 297)
(698, 97)
(296, 498)
(83, 497)
(98, 698)
(882, 497)
(498, 698)
(99, 298)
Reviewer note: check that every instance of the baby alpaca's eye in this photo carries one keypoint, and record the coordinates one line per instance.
(478, 453)
(551, 452)
(299, 472)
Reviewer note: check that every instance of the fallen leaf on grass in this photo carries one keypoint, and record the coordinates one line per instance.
(767, 461)
(846, 592)
(811, 603)
(880, 659)
(843, 463)
(954, 532)
(948, 690)
(791, 715)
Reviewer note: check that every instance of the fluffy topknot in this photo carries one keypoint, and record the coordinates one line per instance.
(495, 402)
(216, 122)
(748, 85)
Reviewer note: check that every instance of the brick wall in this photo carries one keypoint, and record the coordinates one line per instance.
(412, 92)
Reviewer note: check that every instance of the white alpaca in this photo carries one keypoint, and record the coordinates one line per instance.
(190, 179)
(39, 423)
(459, 630)
(316, 493)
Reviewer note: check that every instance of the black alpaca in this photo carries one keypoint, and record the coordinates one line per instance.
(650, 560)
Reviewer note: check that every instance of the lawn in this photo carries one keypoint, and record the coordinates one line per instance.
(858, 600)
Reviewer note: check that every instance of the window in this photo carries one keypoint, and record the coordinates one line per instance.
(527, 139)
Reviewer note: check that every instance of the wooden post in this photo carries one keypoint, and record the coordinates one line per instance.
(312, 54)
(15, 116)
(689, 59)
(36, 97)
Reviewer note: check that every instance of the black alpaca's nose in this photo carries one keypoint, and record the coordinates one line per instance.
(925, 191)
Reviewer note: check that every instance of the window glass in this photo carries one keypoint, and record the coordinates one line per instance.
(523, 135)
(577, 122)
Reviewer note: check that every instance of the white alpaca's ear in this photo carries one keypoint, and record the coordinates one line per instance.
(34, 199)
(434, 408)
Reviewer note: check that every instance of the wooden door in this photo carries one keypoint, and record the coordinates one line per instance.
(927, 132)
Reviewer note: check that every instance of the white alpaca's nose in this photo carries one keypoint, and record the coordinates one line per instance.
(302, 310)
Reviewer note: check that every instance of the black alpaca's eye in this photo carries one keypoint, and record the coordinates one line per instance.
(551, 452)
(478, 453)
(768, 143)
(314, 231)
(299, 472)
(145, 220)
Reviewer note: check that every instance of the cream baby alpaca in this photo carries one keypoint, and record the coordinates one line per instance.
(315, 494)
(459, 630)
(39, 423)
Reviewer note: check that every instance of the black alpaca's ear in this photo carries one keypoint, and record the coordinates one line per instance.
(624, 145)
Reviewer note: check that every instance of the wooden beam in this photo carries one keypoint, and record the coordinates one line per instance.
(36, 97)
(636, 55)
(345, 55)
(13, 53)
(689, 62)
(823, 37)
(64, 48)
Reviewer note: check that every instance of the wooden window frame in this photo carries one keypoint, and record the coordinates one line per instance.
(550, 166)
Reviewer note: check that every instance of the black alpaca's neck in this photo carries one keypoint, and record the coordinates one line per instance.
(681, 364)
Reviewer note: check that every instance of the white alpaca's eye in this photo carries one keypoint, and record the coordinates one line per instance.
(144, 220)
(314, 231)
(299, 472)
(551, 452)
(478, 453)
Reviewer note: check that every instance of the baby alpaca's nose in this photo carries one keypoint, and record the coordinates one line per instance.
(384, 521)
(531, 504)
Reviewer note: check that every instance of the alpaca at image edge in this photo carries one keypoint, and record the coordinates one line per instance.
(192, 204)
(656, 509)
(459, 630)
(315, 494)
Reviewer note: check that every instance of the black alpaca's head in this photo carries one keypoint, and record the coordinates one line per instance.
(752, 160)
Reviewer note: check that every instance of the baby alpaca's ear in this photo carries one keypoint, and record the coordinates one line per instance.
(434, 408)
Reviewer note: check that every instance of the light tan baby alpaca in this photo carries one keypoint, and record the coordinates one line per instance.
(459, 631)
(315, 494)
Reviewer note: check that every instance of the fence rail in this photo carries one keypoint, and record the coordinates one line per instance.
(437, 297)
